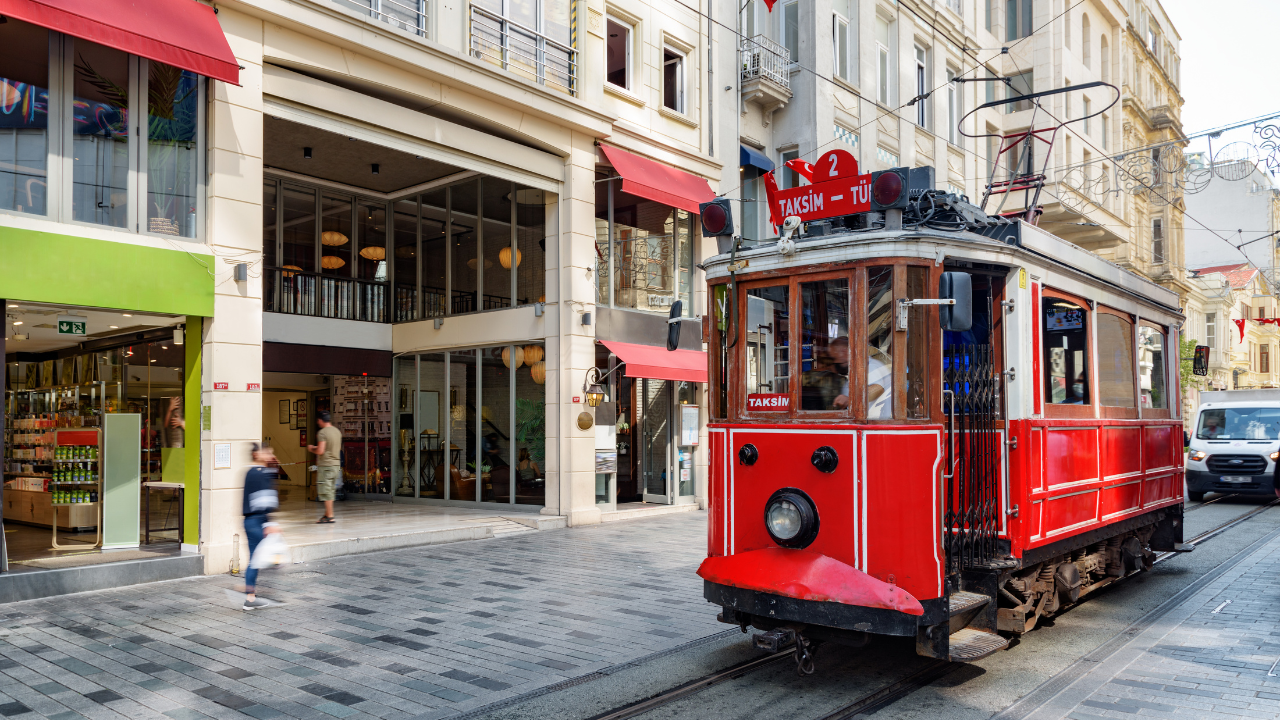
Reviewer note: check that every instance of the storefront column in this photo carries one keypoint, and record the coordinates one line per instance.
(232, 340)
(191, 379)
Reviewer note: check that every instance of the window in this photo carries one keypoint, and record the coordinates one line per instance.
(1066, 98)
(1105, 59)
(1115, 359)
(883, 61)
(24, 136)
(986, 14)
(1262, 312)
(1066, 347)
(767, 337)
(791, 29)
(1086, 42)
(618, 54)
(953, 107)
(1020, 84)
(673, 80)
(922, 87)
(102, 145)
(1088, 110)
(1157, 241)
(752, 203)
(790, 178)
(879, 343)
(535, 39)
(1211, 330)
(846, 39)
(1018, 19)
(1151, 368)
(1264, 358)
(917, 370)
(824, 367)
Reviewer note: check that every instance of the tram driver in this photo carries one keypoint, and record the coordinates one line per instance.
(826, 386)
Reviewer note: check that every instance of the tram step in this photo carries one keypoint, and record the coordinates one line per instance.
(968, 645)
(962, 602)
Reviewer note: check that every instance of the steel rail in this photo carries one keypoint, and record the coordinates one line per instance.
(1209, 534)
(1210, 502)
(695, 686)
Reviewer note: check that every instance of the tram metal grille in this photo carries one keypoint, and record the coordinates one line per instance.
(971, 395)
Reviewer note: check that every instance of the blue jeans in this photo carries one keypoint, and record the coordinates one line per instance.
(253, 532)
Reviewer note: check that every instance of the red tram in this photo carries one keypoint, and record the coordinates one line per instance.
(877, 467)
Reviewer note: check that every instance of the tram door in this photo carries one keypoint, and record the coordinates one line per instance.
(973, 406)
(656, 442)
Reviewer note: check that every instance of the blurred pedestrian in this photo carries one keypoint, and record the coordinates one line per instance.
(260, 499)
(328, 449)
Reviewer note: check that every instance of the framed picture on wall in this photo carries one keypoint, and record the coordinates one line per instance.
(300, 409)
(285, 412)
(293, 422)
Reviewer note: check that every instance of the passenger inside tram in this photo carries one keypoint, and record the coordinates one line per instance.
(826, 386)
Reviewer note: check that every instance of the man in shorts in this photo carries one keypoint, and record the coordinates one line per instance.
(328, 449)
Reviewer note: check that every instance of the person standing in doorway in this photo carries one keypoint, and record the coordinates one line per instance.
(328, 449)
(260, 499)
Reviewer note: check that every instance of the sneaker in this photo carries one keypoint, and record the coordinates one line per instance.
(257, 604)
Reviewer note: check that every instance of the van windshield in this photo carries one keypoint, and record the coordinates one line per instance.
(1259, 423)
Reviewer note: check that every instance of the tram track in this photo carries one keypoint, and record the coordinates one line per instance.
(927, 673)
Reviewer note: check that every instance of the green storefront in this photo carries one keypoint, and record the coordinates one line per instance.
(101, 421)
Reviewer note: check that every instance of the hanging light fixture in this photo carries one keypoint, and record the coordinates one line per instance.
(332, 262)
(472, 263)
(538, 371)
(595, 394)
(504, 257)
(533, 353)
(509, 360)
(333, 238)
(285, 271)
(374, 252)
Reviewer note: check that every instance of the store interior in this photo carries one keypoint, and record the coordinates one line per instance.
(66, 368)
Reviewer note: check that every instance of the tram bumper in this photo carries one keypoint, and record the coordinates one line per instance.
(800, 586)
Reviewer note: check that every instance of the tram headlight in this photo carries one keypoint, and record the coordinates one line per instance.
(791, 518)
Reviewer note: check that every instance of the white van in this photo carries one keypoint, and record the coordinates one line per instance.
(1235, 443)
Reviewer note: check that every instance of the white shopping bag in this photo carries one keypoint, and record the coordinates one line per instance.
(271, 552)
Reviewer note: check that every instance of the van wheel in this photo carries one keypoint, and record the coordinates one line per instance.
(1195, 495)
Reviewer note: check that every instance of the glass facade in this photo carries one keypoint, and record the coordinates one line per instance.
(470, 425)
(644, 252)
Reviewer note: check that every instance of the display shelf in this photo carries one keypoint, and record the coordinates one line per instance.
(72, 482)
(86, 504)
(30, 475)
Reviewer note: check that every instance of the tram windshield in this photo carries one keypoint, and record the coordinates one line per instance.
(1257, 423)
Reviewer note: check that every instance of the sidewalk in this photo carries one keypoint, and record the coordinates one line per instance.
(1216, 655)
(423, 632)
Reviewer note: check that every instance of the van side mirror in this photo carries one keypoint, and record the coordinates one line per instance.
(957, 286)
(1200, 362)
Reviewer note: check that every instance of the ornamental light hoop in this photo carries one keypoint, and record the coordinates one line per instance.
(1027, 181)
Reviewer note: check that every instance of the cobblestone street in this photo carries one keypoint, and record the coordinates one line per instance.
(421, 633)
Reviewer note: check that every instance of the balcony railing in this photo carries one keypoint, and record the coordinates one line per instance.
(523, 51)
(302, 293)
(408, 15)
(764, 58)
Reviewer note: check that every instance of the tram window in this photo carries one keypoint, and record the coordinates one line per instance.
(1151, 368)
(879, 343)
(719, 352)
(1115, 360)
(824, 345)
(768, 345)
(917, 345)
(1065, 352)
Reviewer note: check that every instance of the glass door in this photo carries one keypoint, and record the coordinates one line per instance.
(655, 441)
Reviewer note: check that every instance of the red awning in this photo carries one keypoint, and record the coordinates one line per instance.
(182, 33)
(659, 363)
(661, 183)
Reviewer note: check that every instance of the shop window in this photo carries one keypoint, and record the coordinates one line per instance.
(673, 79)
(530, 431)
(1151, 367)
(335, 236)
(917, 370)
(618, 54)
(299, 226)
(464, 276)
(173, 150)
(824, 327)
(531, 243)
(464, 390)
(1115, 359)
(879, 343)
(435, 255)
(437, 466)
(404, 219)
(154, 389)
(101, 137)
(24, 118)
(371, 231)
(270, 222)
(500, 255)
(1066, 349)
(766, 337)
(650, 256)
(496, 411)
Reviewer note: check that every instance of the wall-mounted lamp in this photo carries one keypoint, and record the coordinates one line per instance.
(179, 335)
(593, 384)
(539, 309)
(586, 318)
(306, 153)
(242, 272)
(439, 323)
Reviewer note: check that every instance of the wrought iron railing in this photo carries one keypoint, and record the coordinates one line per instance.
(302, 293)
(764, 58)
(408, 15)
(523, 51)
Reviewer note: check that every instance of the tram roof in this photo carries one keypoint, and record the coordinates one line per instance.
(1019, 244)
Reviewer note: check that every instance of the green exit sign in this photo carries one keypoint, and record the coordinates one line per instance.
(71, 325)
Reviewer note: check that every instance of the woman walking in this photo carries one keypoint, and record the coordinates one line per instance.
(260, 499)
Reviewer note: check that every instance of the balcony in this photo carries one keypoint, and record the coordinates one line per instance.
(407, 15)
(302, 293)
(766, 74)
(523, 51)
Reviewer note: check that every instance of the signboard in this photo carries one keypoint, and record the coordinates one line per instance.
(606, 461)
(688, 425)
(71, 325)
(768, 402)
(836, 189)
(221, 386)
(1063, 318)
(221, 456)
(253, 387)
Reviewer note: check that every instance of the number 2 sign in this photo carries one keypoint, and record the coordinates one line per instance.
(835, 165)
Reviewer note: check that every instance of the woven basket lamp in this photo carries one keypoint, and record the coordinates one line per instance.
(538, 371)
(532, 354)
(333, 238)
(331, 262)
(284, 271)
(504, 257)
(513, 362)
(374, 252)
